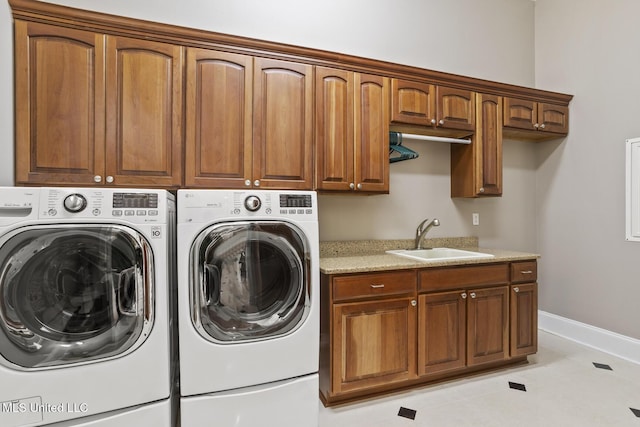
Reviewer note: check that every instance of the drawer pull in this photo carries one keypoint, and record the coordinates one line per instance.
(526, 271)
(377, 286)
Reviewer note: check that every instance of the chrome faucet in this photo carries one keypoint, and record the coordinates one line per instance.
(422, 230)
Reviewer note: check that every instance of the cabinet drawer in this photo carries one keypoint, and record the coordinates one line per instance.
(373, 285)
(435, 279)
(525, 271)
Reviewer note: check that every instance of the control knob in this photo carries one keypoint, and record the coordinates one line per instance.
(252, 203)
(75, 203)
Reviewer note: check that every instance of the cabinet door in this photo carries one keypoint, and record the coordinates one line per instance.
(373, 344)
(520, 113)
(372, 133)
(476, 168)
(218, 119)
(282, 133)
(441, 332)
(524, 319)
(334, 129)
(59, 101)
(413, 103)
(456, 108)
(144, 113)
(553, 118)
(487, 325)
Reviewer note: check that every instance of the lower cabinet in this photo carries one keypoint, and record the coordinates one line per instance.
(384, 331)
(376, 343)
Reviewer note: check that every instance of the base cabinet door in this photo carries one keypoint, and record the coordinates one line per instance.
(441, 332)
(487, 325)
(524, 319)
(373, 344)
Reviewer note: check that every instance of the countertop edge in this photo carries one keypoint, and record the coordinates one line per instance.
(377, 262)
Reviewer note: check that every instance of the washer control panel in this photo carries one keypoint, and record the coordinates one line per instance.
(137, 206)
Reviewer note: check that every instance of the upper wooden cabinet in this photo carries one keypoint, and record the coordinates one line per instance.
(437, 107)
(219, 119)
(249, 122)
(95, 109)
(351, 131)
(476, 168)
(550, 120)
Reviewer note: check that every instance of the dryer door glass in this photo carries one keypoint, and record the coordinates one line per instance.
(73, 294)
(250, 281)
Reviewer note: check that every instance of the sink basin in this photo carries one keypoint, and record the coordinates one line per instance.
(439, 254)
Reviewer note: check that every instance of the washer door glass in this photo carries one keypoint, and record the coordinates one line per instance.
(250, 280)
(73, 294)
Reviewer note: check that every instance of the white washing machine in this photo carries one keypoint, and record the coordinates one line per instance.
(85, 334)
(248, 304)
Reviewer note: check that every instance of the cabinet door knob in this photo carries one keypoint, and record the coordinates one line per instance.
(352, 186)
(97, 178)
(482, 189)
(472, 294)
(441, 122)
(516, 289)
(359, 186)
(433, 121)
(247, 183)
(256, 183)
(109, 179)
(542, 126)
(463, 295)
(414, 303)
(377, 285)
(536, 125)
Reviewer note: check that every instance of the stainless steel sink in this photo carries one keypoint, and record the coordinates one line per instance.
(439, 254)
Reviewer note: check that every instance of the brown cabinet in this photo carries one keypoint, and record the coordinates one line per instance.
(351, 131)
(524, 308)
(368, 332)
(381, 331)
(93, 109)
(476, 168)
(431, 106)
(537, 120)
(249, 122)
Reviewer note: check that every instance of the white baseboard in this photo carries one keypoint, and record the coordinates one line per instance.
(609, 342)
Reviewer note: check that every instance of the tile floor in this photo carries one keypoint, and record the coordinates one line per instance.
(564, 388)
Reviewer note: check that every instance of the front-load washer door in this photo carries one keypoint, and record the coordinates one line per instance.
(73, 294)
(249, 281)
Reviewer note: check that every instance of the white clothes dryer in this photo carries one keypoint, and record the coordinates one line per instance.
(248, 304)
(85, 334)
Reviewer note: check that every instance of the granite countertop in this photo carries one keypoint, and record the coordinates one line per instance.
(358, 256)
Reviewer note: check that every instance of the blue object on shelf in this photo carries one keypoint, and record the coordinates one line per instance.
(397, 152)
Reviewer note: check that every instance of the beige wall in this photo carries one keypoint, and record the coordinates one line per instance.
(589, 272)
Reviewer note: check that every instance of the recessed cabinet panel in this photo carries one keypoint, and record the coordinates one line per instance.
(441, 332)
(283, 119)
(524, 319)
(456, 108)
(218, 119)
(144, 136)
(372, 133)
(59, 104)
(488, 325)
(375, 342)
(412, 102)
(334, 129)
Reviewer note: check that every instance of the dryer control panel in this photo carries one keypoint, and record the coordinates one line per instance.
(205, 205)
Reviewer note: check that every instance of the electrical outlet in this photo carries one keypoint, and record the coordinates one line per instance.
(475, 218)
